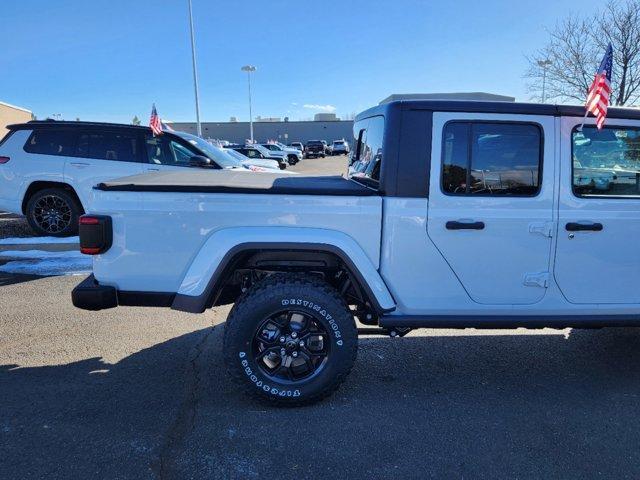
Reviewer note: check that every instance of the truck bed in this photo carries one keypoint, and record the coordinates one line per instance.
(232, 181)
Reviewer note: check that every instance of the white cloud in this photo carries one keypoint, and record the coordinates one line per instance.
(321, 108)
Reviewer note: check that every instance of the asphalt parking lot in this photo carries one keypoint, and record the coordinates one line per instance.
(142, 393)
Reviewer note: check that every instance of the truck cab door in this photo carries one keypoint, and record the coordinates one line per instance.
(597, 256)
(491, 199)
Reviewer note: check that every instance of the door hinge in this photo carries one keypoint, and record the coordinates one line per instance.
(537, 279)
(543, 228)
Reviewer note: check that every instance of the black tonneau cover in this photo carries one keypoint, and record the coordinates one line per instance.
(234, 181)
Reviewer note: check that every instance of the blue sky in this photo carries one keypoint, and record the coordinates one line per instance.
(110, 59)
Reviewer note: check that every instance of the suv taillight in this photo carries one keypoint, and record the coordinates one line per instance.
(96, 234)
(4, 159)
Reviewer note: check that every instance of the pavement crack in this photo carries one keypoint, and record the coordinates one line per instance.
(184, 423)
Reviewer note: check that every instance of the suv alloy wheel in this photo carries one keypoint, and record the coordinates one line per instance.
(53, 212)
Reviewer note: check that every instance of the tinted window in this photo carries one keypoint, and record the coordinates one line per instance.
(606, 162)
(51, 142)
(491, 158)
(116, 146)
(368, 158)
(164, 151)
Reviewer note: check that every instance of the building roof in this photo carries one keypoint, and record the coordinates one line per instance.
(14, 107)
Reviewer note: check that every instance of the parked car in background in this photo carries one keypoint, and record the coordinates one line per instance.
(314, 148)
(254, 162)
(293, 154)
(48, 168)
(327, 147)
(256, 151)
(297, 146)
(340, 147)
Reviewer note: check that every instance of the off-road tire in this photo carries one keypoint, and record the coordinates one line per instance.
(300, 293)
(75, 210)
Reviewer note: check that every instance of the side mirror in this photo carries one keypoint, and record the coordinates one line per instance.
(200, 161)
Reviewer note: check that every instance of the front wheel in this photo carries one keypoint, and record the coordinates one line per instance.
(53, 212)
(290, 340)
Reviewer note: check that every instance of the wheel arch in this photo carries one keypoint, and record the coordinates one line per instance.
(200, 290)
(39, 185)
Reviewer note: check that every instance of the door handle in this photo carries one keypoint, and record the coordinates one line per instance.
(583, 227)
(79, 164)
(453, 225)
(153, 169)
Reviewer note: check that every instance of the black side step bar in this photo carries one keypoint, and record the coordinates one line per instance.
(391, 322)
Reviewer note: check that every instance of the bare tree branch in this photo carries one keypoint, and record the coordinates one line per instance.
(575, 47)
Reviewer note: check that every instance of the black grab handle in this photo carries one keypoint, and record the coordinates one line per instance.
(583, 227)
(452, 225)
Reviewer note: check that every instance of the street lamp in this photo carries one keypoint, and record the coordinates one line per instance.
(249, 69)
(195, 71)
(544, 64)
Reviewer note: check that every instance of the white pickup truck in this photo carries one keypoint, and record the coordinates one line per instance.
(456, 214)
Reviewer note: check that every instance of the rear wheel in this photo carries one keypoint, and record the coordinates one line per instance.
(53, 212)
(290, 340)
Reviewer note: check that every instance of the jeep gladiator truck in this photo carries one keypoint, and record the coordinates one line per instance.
(456, 215)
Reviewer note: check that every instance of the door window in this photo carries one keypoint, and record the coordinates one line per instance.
(164, 151)
(116, 146)
(484, 158)
(606, 163)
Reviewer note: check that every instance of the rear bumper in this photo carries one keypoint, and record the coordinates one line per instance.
(90, 295)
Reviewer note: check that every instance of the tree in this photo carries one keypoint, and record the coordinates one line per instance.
(567, 64)
(135, 121)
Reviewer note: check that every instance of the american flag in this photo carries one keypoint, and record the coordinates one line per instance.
(600, 91)
(154, 122)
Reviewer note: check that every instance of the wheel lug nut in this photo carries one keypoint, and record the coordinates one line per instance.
(301, 343)
(294, 335)
(294, 354)
(283, 352)
(282, 339)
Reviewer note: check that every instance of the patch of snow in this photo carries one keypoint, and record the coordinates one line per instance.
(38, 262)
(37, 240)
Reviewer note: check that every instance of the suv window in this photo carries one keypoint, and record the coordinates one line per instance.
(368, 135)
(606, 162)
(116, 146)
(484, 158)
(164, 151)
(51, 141)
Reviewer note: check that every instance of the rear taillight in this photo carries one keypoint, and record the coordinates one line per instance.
(96, 234)
(4, 160)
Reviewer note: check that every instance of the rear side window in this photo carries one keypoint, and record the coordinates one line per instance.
(485, 158)
(369, 137)
(51, 141)
(116, 146)
(606, 163)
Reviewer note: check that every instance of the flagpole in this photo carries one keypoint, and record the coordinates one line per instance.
(584, 119)
(195, 71)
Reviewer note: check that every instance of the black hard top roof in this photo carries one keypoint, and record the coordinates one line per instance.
(494, 107)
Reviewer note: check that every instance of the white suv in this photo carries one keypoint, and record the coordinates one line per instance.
(48, 168)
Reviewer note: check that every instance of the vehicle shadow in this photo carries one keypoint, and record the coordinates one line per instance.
(15, 278)
(462, 405)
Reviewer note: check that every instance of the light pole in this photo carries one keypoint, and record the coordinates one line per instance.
(544, 64)
(249, 69)
(195, 71)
